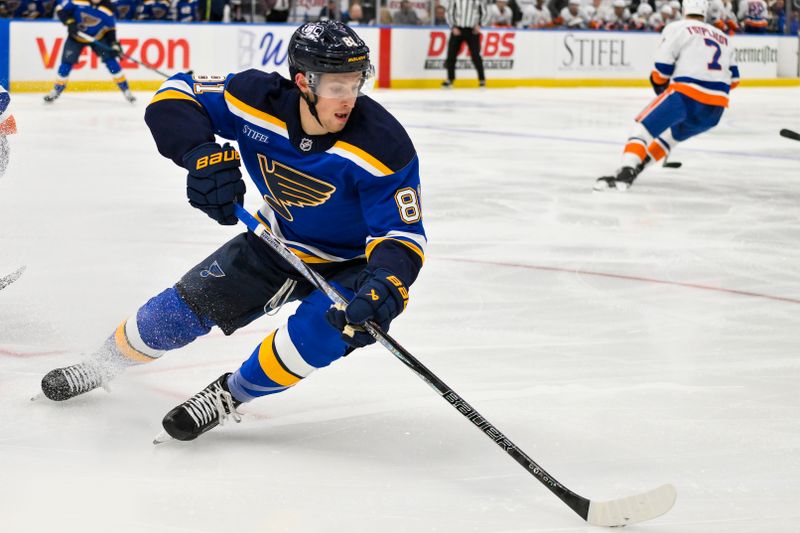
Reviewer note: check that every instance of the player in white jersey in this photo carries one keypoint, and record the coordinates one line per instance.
(694, 71)
(7, 127)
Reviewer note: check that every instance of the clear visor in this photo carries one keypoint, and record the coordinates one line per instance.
(341, 85)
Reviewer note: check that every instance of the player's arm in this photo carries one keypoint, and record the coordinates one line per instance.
(734, 68)
(395, 252)
(666, 56)
(184, 116)
(66, 14)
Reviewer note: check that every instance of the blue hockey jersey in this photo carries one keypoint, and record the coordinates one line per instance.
(330, 197)
(127, 9)
(154, 10)
(94, 20)
(186, 11)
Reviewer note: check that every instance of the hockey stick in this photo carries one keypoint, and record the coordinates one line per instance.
(87, 37)
(612, 513)
(789, 134)
(7, 280)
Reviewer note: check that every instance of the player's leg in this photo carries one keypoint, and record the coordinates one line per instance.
(699, 118)
(69, 56)
(228, 289)
(114, 68)
(453, 46)
(660, 115)
(474, 45)
(284, 358)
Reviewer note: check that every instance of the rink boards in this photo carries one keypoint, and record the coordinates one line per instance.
(405, 57)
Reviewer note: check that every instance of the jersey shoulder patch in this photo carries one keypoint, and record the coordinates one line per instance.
(267, 92)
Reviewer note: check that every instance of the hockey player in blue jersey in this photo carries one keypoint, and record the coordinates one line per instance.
(340, 182)
(89, 23)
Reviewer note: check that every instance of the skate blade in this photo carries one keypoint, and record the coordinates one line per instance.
(38, 396)
(162, 437)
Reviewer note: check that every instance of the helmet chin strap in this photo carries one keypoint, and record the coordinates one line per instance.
(312, 105)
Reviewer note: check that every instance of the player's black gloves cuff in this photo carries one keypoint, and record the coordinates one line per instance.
(380, 296)
(214, 184)
(658, 87)
(72, 29)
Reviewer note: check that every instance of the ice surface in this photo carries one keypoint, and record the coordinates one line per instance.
(622, 340)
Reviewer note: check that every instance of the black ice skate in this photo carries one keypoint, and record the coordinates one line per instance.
(205, 410)
(65, 383)
(621, 182)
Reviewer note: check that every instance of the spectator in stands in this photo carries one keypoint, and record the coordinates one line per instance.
(355, 15)
(778, 18)
(572, 16)
(639, 19)
(618, 18)
(536, 16)
(660, 18)
(439, 15)
(127, 9)
(406, 15)
(722, 16)
(754, 15)
(185, 11)
(278, 10)
(330, 11)
(500, 15)
(155, 10)
(385, 18)
(31, 9)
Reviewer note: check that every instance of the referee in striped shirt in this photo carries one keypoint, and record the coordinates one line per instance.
(465, 18)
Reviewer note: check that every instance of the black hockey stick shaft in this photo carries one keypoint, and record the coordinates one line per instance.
(789, 134)
(575, 502)
(104, 46)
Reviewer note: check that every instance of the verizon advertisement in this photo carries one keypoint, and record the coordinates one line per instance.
(204, 48)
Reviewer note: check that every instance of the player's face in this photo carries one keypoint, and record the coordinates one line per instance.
(336, 98)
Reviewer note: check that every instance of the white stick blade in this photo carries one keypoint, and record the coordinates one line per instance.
(633, 509)
(162, 437)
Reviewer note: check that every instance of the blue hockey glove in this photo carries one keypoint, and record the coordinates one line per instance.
(380, 296)
(215, 184)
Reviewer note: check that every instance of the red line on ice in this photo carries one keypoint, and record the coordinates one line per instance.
(626, 277)
(12, 353)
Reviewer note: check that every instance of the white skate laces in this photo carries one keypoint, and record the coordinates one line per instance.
(212, 403)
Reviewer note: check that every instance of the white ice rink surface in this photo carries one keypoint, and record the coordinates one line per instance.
(621, 340)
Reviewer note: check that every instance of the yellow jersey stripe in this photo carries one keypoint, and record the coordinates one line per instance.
(413, 247)
(172, 94)
(272, 366)
(250, 110)
(124, 346)
(358, 152)
(307, 257)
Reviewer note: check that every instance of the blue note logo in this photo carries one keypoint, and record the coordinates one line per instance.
(213, 270)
